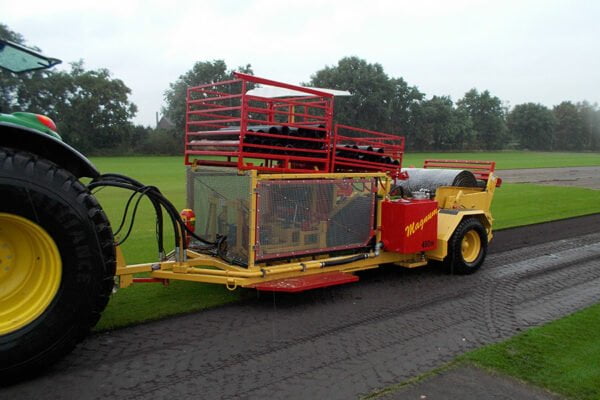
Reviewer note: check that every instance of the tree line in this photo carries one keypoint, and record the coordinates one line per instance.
(94, 114)
(477, 121)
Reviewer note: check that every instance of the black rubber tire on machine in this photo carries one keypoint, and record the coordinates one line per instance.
(467, 247)
(57, 263)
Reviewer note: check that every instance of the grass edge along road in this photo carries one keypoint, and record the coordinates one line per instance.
(561, 356)
(514, 205)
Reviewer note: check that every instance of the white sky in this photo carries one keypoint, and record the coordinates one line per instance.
(522, 51)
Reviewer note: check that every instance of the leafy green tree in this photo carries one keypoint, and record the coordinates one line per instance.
(590, 118)
(160, 141)
(440, 126)
(202, 72)
(570, 134)
(378, 102)
(462, 130)
(137, 135)
(7, 34)
(91, 109)
(370, 103)
(533, 125)
(104, 104)
(487, 115)
(403, 105)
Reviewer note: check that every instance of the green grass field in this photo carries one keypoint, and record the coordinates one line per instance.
(512, 159)
(514, 205)
(561, 356)
(520, 204)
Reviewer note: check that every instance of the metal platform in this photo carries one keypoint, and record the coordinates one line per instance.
(295, 285)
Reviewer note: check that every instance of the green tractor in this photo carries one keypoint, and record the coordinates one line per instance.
(57, 253)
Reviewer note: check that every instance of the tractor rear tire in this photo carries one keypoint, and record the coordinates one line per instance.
(57, 263)
(467, 247)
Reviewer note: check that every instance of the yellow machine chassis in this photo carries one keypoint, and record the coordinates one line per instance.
(455, 203)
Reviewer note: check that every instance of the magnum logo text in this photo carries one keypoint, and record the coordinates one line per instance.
(411, 228)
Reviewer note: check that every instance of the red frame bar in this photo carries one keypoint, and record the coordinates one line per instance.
(165, 282)
(268, 82)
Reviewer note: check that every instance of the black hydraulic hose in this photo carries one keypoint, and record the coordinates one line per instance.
(357, 257)
(157, 198)
(151, 192)
(154, 194)
(155, 204)
(124, 178)
(125, 212)
(133, 214)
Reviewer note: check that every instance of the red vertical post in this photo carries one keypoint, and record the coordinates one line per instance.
(331, 147)
(186, 160)
(270, 113)
(243, 125)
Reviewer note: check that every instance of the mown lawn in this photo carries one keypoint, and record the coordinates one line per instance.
(562, 356)
(514, 205)
(512, 159)
(520, 204)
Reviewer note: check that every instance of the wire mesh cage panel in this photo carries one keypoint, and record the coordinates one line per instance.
(220, 198)
(299, 217)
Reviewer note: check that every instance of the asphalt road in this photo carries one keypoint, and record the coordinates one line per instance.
(341, 342)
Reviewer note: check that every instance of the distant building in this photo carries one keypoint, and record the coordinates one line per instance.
(165, 123)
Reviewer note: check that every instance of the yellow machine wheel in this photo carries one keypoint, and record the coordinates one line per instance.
(470, 246)
(467, 247)
(30, 271)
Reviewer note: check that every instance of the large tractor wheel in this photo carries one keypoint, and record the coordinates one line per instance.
(57, 262)
(467, 247)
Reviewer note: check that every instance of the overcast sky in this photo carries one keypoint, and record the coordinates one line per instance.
(522, 51)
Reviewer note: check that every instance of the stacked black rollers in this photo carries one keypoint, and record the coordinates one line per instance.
(307, 147)
(365, 154)
(271, 139)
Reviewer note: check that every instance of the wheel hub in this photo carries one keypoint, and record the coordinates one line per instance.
(30, 271)
(470, 246)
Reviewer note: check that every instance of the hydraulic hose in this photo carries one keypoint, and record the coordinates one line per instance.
(160, 202)
(357, 257)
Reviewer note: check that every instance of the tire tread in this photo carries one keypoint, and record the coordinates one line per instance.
(30, 168)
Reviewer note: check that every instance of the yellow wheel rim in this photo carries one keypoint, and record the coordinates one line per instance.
(30, 271)
(470, 246)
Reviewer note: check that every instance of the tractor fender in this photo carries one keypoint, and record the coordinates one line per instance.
(448, 220)
(48, 147)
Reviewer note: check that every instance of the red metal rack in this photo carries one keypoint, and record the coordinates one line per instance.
(227, 125)
(364, 150)
(279, 128)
